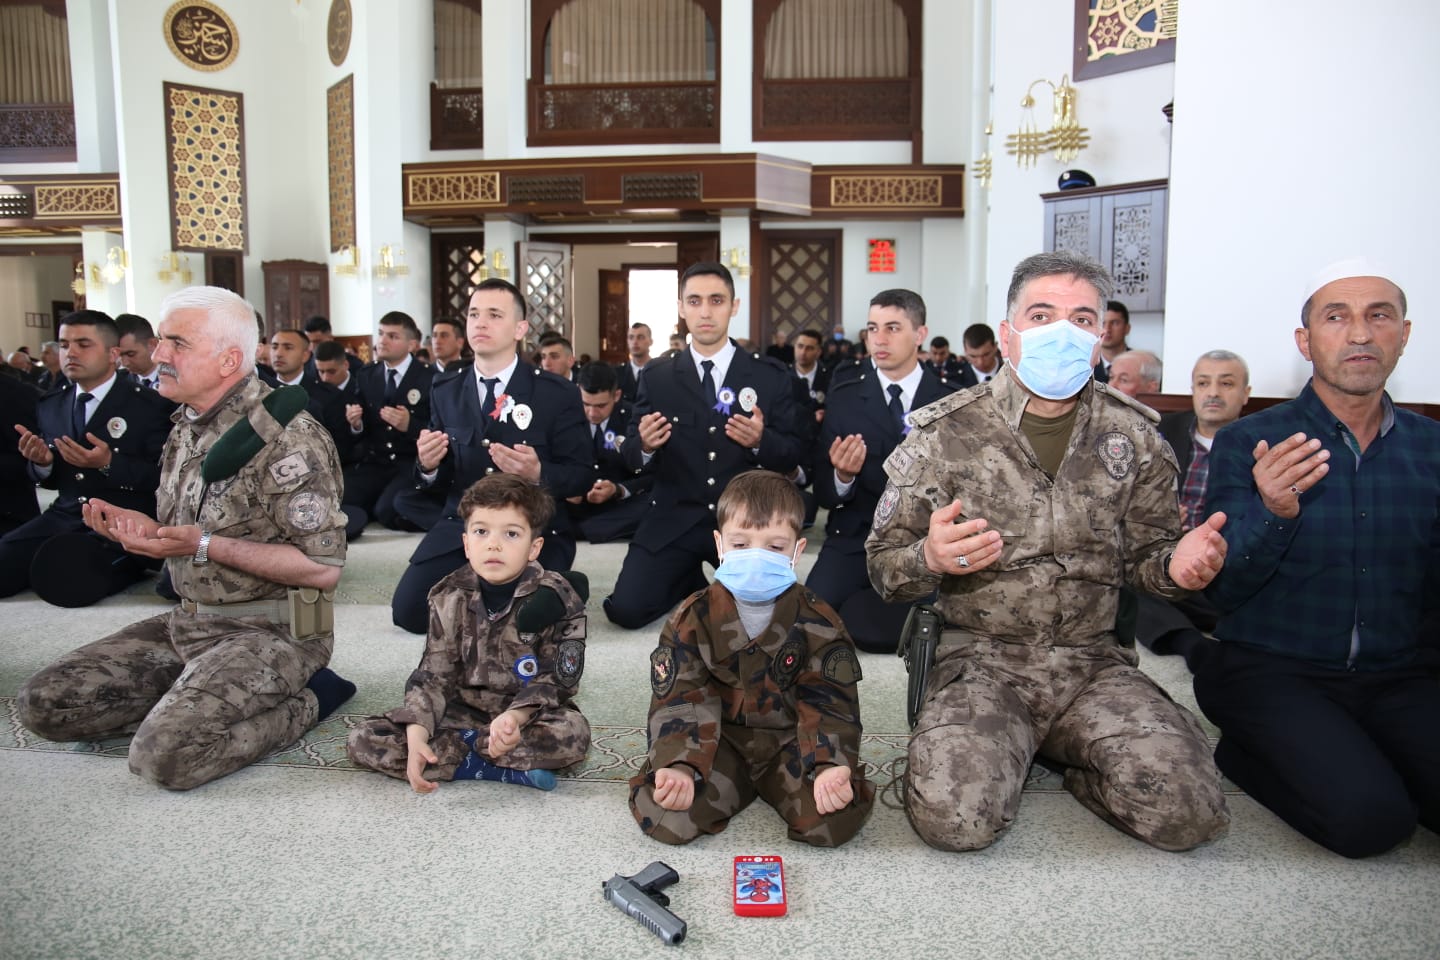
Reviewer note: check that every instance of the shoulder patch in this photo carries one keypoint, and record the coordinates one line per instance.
(306, 511)
(1106, 390)
(902, 466)
(662, 672)
(290, 469)
(1117, 452)
(885, 509)
(931, 412)
(840, 665)
(569, 662)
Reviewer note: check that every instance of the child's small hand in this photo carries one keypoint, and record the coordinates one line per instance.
(504, 733)
(417, 738)
(674, 789)
(832, 789)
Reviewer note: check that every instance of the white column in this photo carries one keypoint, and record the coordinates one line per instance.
(505, 57)
(105, 297)
(735, 232)
(737, 57)
(93, 84)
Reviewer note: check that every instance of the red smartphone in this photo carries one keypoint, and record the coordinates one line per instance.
(759, 887)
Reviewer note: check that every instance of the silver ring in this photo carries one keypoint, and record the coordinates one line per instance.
(962, 561)
(1294, 489)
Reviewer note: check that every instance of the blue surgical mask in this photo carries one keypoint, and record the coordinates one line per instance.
(1055, 359)
(755, 575)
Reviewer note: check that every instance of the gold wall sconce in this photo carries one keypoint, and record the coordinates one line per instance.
(738, 260)
(494, 266)
(390, 263)
(117, 264)
(79, 285)
(349, 263)
(982, 168)
(173, 266)
(1065, 138)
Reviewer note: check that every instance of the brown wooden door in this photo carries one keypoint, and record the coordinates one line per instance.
(295, 291)
(799, 283)
(456, 259)
(614, 315)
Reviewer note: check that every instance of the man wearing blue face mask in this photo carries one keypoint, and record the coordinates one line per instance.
(1028, 502)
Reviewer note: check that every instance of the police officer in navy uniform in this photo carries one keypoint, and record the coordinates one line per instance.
(100, 435)
(394, 408)
(637, 342)
(18, 503)
(615, 503)
(500, 415)
(700, 418)
(864, 422)
(290, 359)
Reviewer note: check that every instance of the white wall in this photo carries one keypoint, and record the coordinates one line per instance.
(1129, 136)
(1290, 155)
(29, 285)
(585, 266)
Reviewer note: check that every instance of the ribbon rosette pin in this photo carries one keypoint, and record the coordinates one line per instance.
(723, 400)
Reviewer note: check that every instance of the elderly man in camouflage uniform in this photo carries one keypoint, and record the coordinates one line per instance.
(252, 534)
(753, 718)
(1028, 502)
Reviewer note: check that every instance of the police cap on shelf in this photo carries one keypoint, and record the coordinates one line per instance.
(1074, 179)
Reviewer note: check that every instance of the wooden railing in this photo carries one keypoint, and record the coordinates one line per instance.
(456, 118)
(571, 114)
(37, 132)
(845, 109)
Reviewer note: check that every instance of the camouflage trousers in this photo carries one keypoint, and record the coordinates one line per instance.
(209, 694)
(555, 737)
(1133, 756)
(750, 763)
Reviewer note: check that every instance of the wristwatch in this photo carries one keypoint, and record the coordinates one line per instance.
(202, 552)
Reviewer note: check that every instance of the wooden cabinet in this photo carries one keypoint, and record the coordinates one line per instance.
(295, 291)
(1123, 227)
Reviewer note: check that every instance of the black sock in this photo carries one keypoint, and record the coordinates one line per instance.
(330, 691)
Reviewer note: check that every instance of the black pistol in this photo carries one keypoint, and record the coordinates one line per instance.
(640, 897)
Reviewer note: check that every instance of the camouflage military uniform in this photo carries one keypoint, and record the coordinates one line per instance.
(211, 693)
(1030, 662)
(474, 669)
(753, 718)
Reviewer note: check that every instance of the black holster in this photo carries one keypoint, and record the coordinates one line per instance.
(917, 647)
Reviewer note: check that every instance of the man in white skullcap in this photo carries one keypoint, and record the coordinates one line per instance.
(1323, 685)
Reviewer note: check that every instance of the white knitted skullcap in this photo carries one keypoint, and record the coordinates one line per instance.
(1343, 269)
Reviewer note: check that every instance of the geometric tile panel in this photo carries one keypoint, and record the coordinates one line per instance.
(340, 101)
(72, 200)
(885, 190)
(443, 189)
(206, 145)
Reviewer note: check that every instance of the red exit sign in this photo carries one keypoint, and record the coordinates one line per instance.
(882, 256)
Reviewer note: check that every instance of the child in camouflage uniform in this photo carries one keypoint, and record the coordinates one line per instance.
(493, 696)
(754, 689)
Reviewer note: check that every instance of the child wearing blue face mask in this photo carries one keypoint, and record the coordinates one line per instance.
(754, 689)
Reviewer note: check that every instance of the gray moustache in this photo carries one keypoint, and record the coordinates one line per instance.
(165, 370)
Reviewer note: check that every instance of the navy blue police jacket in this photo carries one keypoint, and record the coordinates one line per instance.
(694, 466)
(557, 431)
(860, 405)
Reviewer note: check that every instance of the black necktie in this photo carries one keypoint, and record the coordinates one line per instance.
(599, 438)
(487, 406)
(897, 408)
(707, 382)
(77, 416)
(392, 390)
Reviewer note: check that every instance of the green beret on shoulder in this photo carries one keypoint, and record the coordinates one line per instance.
(248, 437)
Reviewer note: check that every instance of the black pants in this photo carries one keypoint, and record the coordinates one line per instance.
(102, 568)
(840, 578)
(373, 487)
(652, 582)
(1350, 759)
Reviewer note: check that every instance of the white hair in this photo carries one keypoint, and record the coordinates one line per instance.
(230, 320)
